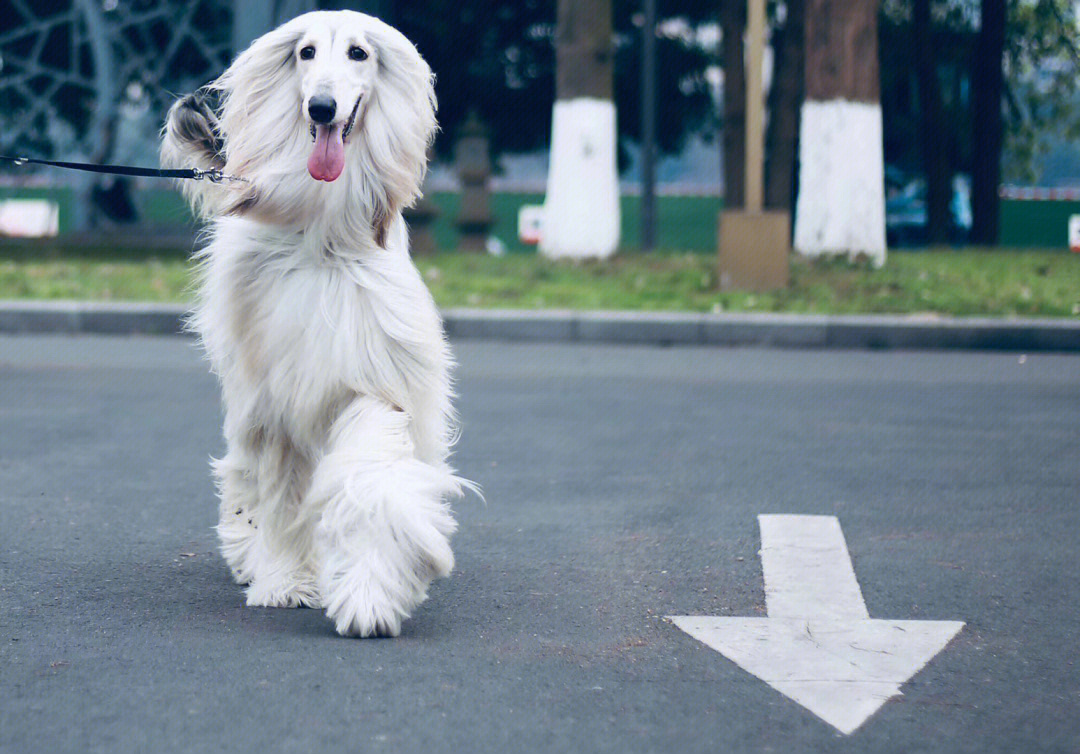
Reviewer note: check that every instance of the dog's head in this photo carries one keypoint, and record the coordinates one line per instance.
(333, 85)
(332, 96)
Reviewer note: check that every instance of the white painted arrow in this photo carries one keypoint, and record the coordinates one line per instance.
(819, 646)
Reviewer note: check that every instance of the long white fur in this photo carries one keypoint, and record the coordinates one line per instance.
(334, 367)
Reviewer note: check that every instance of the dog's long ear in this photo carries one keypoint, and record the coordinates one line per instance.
(399, 126)
(260, 96)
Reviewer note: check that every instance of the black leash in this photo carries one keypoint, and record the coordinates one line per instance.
(213, 175)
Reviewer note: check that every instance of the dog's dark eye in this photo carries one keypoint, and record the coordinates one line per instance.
(357, 53)
(307, 53)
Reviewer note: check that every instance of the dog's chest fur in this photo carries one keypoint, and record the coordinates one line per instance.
(295, 334)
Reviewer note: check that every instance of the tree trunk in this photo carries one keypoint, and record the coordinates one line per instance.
(733, 23)
(935, 154)
(581, 210)
(842, 51)
(584, 50)
(988, 86)
(785, 99)
(841, 203)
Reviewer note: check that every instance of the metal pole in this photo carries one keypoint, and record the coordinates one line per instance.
(755, 106)
(648, 128)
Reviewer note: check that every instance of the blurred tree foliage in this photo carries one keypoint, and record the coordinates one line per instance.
(952, 34)
(1042, 68)
(499, 59)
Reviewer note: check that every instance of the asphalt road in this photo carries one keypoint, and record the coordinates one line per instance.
(622, 485)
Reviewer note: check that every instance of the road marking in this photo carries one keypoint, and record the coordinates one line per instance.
(819, 646)
(807, 569)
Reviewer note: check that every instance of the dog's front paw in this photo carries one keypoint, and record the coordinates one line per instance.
(372, 595)
(283, 592)
(237, 536)
(368, 619)
(366, 601)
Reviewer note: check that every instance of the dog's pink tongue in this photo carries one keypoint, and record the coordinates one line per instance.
(328, 155)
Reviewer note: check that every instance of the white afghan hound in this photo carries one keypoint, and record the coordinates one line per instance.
(334, 367)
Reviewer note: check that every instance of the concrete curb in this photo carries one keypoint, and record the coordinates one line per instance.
(90, 317)
(651, 328)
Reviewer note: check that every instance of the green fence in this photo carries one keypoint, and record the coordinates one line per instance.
(1043, 224)
(157, 207)
(684, 223)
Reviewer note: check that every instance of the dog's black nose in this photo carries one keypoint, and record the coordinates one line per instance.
(322, 109)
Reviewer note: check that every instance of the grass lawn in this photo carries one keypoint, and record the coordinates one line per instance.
(946, 281)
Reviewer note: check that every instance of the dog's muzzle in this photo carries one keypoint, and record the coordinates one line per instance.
(327, 158)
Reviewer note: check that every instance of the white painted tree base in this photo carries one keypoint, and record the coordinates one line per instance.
(581, 210)
(841, 204)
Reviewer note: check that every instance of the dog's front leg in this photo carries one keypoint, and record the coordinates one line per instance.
(236, 527)
(265, 541)
(384, 524)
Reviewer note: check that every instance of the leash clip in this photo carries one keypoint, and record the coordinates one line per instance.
(213, 175)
